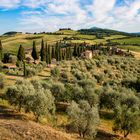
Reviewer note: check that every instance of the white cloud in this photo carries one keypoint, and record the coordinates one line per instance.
(7, 4)
(34, 3)
(54, 14)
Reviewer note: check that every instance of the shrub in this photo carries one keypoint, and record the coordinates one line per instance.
(30, 72)
(91, 96)
(1, 81)
(58, 90)
(87, 83)
(12, 59)
(55, 72)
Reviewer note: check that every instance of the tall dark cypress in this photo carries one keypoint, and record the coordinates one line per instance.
(21, 53)
(70, 53)
(57, 51)
(75, 51)
(49, 54)
(53, 52)
(43, 51)
(60, 54)
(1, 51)
(79, 51)
(47, 57)
(34, 52)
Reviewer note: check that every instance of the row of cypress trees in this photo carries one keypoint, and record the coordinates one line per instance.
(47, 52)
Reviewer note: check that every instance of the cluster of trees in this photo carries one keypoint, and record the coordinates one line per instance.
(31, 97)
(77, 83)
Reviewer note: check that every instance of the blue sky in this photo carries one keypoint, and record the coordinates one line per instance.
(50, 15)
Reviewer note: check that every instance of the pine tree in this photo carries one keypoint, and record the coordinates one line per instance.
(21, 53)
(1, 51)
(34, 52)
(43, 52)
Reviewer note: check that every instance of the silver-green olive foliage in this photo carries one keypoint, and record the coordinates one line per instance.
(31, 97)
(84, 118)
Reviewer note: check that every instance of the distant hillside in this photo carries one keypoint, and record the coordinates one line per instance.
(105, 32)
(11, 33)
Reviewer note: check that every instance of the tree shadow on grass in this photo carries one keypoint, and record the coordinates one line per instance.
(103, 135)
(7, 113)
(106, 115)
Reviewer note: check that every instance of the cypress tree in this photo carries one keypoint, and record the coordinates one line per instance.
(34, 52)
(53, 52)
(1, 51)
(43, 52)
(70, 53)
(48, 54)
(63, 54)
(75, 54)
(24, 69)
(60, 55)
(21, 53)
(57, 51)
(79, 51)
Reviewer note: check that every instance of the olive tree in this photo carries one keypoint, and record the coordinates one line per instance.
(32, 97)
(42, 104)
(58, 90)
(127, 119)
(19, 94)
(84, 118)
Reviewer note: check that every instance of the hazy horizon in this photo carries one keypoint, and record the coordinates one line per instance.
(50, 15)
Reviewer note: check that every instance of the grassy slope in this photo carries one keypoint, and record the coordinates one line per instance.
(129, 43)
(12, 43)
(131, 40)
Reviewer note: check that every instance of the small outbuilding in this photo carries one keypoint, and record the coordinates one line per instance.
(87, 54)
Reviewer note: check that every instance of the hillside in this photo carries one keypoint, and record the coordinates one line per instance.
(96, 30)
(15, 126)
(93, 36)
(82, 86)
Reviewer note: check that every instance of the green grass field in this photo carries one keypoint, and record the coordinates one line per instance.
(130, 41)
(130, 47)
(12, 43)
